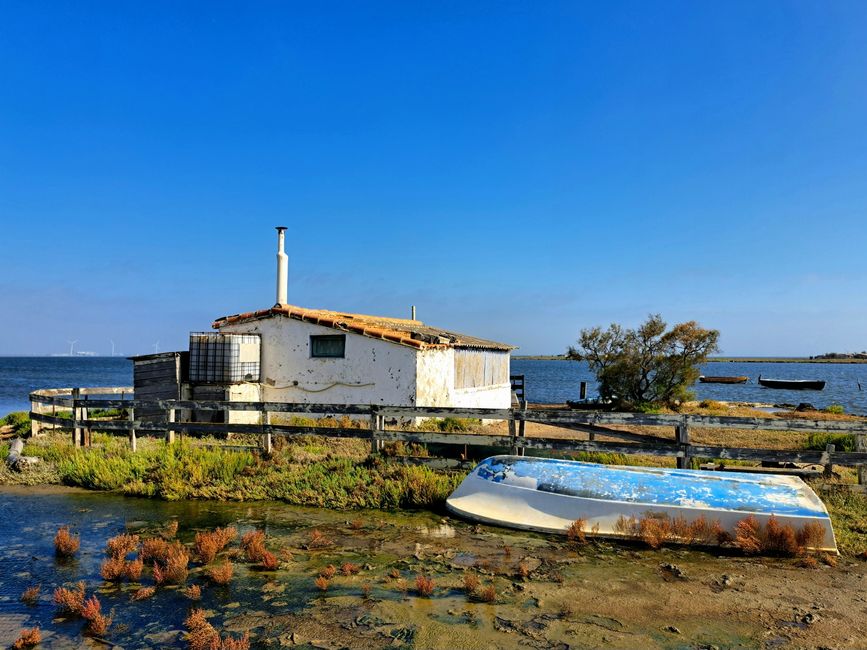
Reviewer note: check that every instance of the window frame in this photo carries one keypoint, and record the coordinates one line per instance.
(329, 337)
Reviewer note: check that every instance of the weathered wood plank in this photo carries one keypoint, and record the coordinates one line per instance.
(779, 455)
(777, 424)
(616, 433)
(408, 412)
(56, 400)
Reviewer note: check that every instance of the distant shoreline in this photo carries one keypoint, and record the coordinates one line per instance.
(563, 357)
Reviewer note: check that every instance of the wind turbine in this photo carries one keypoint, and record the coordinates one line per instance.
(71, 346)
(112, 347)
(157, 347)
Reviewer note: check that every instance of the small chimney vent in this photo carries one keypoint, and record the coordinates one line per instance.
(282, 268)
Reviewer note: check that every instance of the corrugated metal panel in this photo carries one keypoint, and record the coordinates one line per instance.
(479, 368)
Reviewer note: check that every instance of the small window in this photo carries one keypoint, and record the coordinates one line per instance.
(333, 346)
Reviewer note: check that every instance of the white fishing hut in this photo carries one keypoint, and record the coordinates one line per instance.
(292, 354)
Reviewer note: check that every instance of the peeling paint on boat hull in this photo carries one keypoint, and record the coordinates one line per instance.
(547, 495)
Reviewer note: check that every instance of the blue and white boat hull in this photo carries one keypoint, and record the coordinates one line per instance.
(547, 495)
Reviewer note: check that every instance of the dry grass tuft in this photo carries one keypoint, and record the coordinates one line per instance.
(208, 544)
(748, 535)
(655, 531)
(232, 643)
(269, 561)
(811, 535)
(193, 592)
(133, 570)
(829, 559)
(143, 593)
(121, 545)
(154, 550)
(328, 572)
(113, 568)
(28, 638)
(780, 538)
(221, 575)
(356, 524)
(173, 569)
(349, 569)
(424, 586)
(65, 543)
(253, 544)
(575, 533)
(394, 574)
(30, 596)
(321, 583)
(201, 635)
(523, 570)
(318, 539)
(471, 583)
(365, 590)
(97, 622)
(487, 594)
(808, 562)
(70, 601)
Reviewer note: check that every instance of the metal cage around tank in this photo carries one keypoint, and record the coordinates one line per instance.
(217, 358)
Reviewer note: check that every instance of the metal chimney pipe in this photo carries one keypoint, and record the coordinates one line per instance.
(412, 311)
(282, 268)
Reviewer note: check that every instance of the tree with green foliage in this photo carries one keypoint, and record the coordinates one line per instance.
(650, 365)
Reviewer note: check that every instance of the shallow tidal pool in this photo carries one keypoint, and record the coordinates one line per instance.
(542, 592)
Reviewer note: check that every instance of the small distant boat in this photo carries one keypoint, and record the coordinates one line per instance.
(723, 380)
(548, 495)
(793, 384)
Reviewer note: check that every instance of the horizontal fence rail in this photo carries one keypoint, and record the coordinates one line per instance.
(72, 408)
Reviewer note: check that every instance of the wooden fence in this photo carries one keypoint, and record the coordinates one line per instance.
(48, 408)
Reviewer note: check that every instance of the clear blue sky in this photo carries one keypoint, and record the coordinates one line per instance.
(516, 170)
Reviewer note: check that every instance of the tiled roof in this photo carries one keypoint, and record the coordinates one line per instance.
(402, 331)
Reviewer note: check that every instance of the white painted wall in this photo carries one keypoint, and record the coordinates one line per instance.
(435, 372)
(248, 392)
(372, 372)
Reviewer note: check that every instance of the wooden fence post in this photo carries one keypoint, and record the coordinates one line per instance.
(682, 434)
(34, 424)
(861, 446)
(513, 433)
(375, 427)
(133, 443)
(171, 415)
(826, 460)
(267, 445)
(76, 439)
(522, 423)
(85, 430)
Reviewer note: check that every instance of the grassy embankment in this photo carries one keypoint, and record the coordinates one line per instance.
(334, 473)
(338, 473)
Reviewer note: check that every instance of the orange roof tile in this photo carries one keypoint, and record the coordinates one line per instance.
(412, 333)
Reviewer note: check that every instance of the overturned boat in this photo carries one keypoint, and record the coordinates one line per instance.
(548, 495)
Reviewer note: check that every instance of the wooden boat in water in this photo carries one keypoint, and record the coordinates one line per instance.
(793, 384)
(723, 380)
(548, 495)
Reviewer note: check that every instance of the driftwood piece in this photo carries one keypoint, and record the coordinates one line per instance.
(15, 460)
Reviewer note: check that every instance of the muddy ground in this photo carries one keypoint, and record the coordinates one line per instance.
(599, 595)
